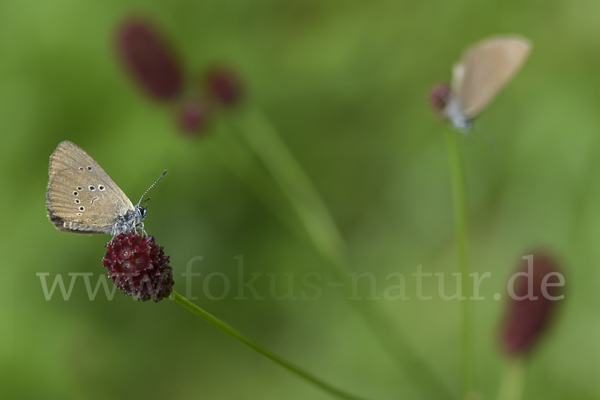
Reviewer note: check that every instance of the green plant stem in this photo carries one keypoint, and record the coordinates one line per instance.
(323, 233)
(295, 184)
(259, 349)
(246, 168)
(513, 380)
(461, 221)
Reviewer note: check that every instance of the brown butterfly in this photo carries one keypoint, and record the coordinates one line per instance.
(81, 197)
(483, 71)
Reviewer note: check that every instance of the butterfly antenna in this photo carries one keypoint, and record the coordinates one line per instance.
(151, 186)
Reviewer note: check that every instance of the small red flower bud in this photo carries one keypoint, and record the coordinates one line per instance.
(149, 59)
(438, 98)
(193, 117)
(138, 266)
(536, 286)
(224, 85)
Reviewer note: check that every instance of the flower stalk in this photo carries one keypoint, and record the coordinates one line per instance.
(264, 141)
(461, 221)
(513, 379)
(261, 350)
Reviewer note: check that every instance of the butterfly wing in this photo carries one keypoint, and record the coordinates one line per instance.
(81, 197)
(485, 69)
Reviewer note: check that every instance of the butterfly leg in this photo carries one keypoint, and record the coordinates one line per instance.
(141, 228)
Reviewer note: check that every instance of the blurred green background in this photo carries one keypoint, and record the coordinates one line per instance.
(346, 85)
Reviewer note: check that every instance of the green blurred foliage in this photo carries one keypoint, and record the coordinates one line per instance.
(346, 85)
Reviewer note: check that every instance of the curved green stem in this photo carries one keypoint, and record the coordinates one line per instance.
(296, 185)
(461, 220)
(259, 349)
(513, 380)
(323, 233)
(246, 168)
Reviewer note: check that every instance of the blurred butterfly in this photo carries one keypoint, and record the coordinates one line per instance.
(484, 70)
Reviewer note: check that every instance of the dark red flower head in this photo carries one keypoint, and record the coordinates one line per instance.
(193, 117)
(536, 288)
(139, 267)
(149, 59)
(438, 98)
(224, 85)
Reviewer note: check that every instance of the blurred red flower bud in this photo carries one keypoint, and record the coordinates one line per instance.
(224, 85)
(438, 98)
(149, 59)
(193, 117)
(534, 289)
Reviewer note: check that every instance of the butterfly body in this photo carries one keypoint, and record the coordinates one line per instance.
(457, 118)
(82, 198)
